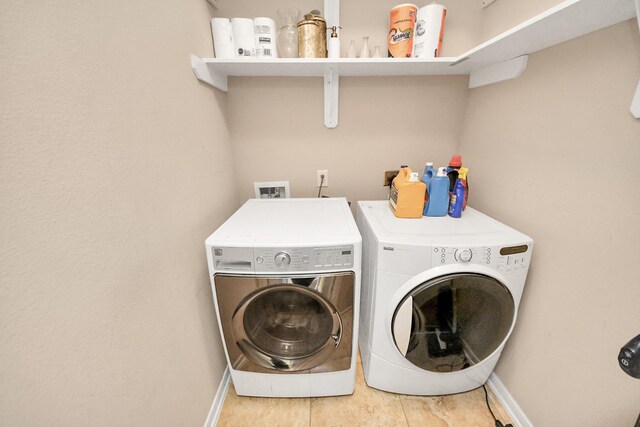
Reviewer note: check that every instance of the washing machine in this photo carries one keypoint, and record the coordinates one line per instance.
(285, 275)
(439, 299)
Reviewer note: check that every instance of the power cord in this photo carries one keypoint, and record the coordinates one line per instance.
(321, 182)
(498, 422)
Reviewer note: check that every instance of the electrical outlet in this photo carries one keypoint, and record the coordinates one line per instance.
(325, 181)
(388, 177)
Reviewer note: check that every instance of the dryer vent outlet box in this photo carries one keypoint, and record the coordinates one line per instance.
(272, 190)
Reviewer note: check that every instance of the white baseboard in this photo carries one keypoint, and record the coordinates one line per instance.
(218, 399)
(514, 410)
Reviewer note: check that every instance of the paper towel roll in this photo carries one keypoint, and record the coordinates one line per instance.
(427, 40)
(222, 38)
(265, 36)
(244, 42)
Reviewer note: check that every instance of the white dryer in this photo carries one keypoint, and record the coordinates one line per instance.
(439, 298)
(285, 275)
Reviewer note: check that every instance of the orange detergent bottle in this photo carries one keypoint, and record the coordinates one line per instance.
(406, 196)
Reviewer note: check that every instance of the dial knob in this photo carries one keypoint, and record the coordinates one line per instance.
(464, 255)
(282, 258)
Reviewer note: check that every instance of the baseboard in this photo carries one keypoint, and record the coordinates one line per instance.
(218, 399)
(508, 402)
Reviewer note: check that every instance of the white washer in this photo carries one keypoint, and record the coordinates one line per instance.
(285, 275)
(439, 298)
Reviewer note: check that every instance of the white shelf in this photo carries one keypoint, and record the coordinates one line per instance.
(501, 58)
(250, 67)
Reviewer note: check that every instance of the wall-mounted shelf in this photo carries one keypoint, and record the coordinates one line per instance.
(501, 58)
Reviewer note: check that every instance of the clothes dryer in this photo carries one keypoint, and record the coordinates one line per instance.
(439, 298)
(285, 275)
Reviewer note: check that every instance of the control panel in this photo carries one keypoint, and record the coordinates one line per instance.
(502, 258)
(303, 259)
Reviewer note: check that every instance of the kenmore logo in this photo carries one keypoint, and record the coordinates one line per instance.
(387, 248)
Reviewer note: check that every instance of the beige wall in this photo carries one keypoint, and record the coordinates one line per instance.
(114, 164)
(554, 154)
(384, 122)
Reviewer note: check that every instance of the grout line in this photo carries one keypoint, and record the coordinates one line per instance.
(403, 410)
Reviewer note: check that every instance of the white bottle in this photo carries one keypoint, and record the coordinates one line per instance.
(351, 52)
(334, 43)
(376, 52)
(365, 52)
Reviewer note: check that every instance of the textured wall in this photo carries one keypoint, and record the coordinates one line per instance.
(554, 154)
(384, 122)
(115, 166)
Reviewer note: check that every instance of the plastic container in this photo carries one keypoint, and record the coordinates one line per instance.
(465, 182)
(438, 195)
(333, 45)
(456, 204)
(452, 170)
(406, 196)
(426, 178)
(428, 173)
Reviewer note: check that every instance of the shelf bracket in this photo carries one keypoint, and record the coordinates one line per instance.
(499, 72)
(207, 75)
(331, 97)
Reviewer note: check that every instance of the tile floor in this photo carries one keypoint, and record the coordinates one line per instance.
(365, 407)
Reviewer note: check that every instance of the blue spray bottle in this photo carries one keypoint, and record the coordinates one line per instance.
(457, 198)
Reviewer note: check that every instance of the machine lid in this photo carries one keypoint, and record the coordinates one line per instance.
(293, 222)
(473, 228)
(287, 327)
(452, 322)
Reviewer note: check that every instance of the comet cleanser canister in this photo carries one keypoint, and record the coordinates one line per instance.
(402, 21)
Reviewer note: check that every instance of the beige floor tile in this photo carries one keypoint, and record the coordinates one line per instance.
(365, 407)
(464, 409)
(253, 411)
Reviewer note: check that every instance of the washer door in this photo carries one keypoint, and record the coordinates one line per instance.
(287, 327)
(453, 322)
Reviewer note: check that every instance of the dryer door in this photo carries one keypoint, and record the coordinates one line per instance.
(452, 322)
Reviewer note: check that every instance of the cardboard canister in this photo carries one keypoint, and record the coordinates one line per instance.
(402, 21)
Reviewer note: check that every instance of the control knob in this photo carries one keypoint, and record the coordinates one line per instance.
(464, 255)
(282, 258)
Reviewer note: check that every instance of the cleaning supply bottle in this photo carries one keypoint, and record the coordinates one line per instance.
(457, 198)
(465, 182)
(406, 196)
(428, 173)
(438, 194)
(452, 170)
(426, 178)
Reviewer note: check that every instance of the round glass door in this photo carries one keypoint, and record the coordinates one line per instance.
(287, 327)
(453, 322)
